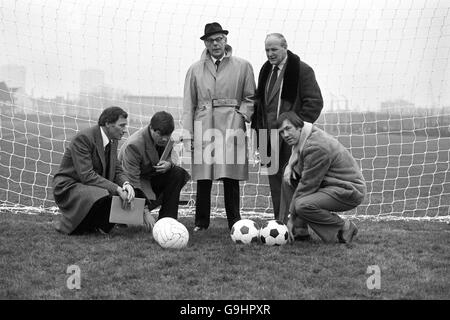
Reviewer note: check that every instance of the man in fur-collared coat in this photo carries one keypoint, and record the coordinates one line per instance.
(285, 83)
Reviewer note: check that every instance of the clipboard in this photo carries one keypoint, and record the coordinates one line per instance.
(167, 150)
(134, 215)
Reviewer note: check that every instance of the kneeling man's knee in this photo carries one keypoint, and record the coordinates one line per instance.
(305, 208)
(180, 174)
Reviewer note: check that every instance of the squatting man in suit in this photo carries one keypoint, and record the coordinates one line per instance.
(217, 105)
(285, 83)
(89, 175)
(158, 181)
(321, 178)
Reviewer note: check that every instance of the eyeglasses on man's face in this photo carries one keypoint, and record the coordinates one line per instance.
(218, 39)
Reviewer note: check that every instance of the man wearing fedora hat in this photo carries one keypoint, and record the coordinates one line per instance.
(217, 105)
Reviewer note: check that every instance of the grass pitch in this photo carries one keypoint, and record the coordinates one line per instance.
(413, 258)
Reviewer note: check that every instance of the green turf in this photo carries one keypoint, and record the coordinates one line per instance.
(127, 264)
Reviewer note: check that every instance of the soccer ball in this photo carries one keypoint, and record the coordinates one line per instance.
(244, 231)
(274, 233)
(170, 233)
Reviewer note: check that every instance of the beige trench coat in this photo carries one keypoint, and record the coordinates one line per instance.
(217, 104)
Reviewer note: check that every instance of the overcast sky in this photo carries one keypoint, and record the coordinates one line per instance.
(366, 51)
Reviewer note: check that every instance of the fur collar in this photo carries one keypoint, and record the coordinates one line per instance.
(290, 79)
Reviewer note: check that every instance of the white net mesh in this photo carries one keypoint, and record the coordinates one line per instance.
(383, 68)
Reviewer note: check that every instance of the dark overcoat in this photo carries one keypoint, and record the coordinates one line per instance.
(82, 178)
(300, 92)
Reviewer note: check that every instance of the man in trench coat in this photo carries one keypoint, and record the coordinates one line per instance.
(89, 175)
(217, 104)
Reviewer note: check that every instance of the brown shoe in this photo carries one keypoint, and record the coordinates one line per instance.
(346, 236)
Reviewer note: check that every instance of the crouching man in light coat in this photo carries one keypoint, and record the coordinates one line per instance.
(321, 178)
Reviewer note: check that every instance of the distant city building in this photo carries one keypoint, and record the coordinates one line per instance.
(143, 107)
(336, 103)
(397, 106)
(109, 92)
(91, 81)
(6, 94)
(13, 100)
(13, 75)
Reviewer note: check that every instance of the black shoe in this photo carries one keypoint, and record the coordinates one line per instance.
(299, 237)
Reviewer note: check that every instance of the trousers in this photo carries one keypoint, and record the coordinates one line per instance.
(275, 179)
(167, 188)
(97, 218)
(203, 202)
(317, 210)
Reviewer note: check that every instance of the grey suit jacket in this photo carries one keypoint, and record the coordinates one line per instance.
(137, 156)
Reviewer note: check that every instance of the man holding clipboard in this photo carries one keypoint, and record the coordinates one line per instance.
(89, 179)
(146, 157)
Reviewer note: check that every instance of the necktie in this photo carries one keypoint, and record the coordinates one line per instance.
(273, 79)
(107, 157)
(217, 64)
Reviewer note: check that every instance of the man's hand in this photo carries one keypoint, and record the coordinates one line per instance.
(149, 221)
(124, 197)
(121, 193)
(130, 191)
(290, 226)
(163, 166)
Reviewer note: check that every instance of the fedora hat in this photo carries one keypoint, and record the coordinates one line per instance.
(212, 28)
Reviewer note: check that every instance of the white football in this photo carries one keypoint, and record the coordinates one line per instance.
(274, 233)
(170, 233)
(244, 231)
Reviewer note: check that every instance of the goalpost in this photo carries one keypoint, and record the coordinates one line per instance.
(383, 68)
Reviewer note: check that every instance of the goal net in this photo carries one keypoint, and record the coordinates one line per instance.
(382, 66)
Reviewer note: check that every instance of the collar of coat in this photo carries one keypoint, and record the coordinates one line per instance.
(290, 78)
(296, 151)
(98, 138)
(150, 146)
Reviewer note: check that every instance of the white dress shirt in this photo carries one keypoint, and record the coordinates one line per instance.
(104, 137)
